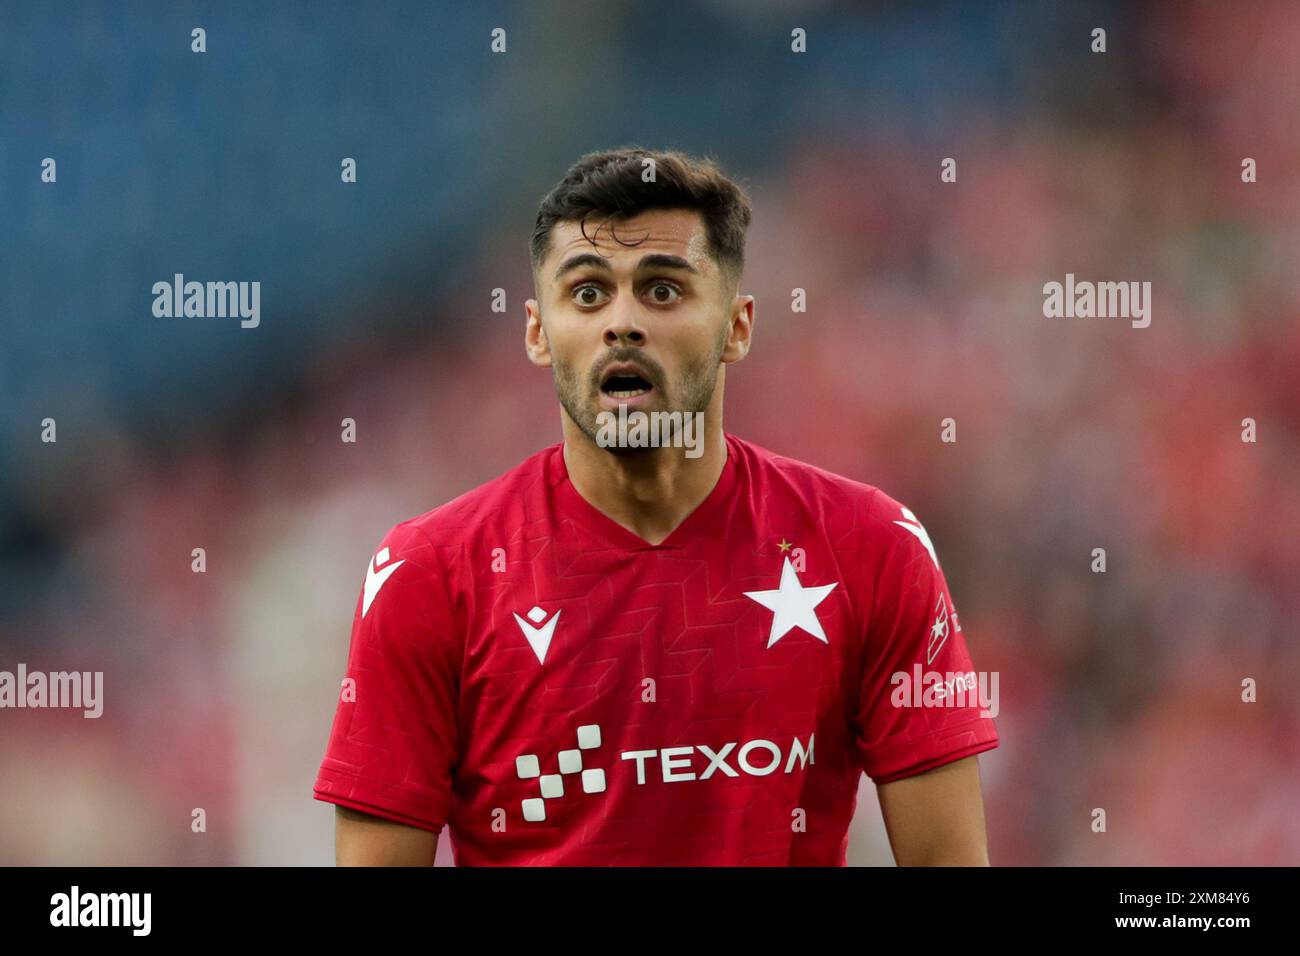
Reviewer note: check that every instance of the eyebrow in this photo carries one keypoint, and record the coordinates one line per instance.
(655, 260)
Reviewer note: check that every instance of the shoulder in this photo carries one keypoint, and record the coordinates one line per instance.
(826, 490)
(498, 504)
(859, 515)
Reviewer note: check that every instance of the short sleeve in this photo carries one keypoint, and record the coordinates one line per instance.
(394, 741)
(921, 703)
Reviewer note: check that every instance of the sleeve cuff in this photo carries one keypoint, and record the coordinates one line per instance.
(964, 740)
(377, 799)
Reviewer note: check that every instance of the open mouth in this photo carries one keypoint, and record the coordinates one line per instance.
(625, 386)
(625, 380)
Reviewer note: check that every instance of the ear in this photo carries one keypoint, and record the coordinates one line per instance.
(539, 350)
(740, 329)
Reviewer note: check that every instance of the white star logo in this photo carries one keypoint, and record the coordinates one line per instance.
(793, 605)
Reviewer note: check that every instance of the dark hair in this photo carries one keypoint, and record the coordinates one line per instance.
(609, 184)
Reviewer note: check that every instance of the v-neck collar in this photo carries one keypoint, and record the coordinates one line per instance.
(593, 519)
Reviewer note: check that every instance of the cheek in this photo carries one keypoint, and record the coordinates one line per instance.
(693, 346)
(570, 364)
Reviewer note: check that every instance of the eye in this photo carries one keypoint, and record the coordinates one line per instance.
(588, 295)
(658, 290)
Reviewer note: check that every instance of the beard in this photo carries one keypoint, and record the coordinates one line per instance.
(579, 394)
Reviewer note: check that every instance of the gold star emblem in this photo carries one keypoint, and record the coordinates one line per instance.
(785, 545)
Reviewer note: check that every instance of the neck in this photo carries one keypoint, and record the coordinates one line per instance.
(652, 491)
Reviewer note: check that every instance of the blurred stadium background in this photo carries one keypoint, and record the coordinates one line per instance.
(1118, 690)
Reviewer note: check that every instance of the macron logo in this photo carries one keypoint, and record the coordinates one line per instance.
(539, 638)
(375, 578)
(914, 526)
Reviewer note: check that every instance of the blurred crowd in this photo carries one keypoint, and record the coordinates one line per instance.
(1120, 690)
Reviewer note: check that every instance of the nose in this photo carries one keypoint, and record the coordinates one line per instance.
(623, 327)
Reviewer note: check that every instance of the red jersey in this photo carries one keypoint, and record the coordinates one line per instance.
(556, 691)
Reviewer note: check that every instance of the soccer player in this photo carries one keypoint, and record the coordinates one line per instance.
(670, 654)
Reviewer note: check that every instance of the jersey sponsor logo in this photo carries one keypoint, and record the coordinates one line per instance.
(676, 762)
(914, 526)
(793, 605)
(528, 767)
(375, 577)
(938, 630)
(755, 758)
(539, 638)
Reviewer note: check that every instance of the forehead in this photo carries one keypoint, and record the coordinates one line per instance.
(679, 232)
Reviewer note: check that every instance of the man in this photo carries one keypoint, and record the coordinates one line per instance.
(676, 654)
